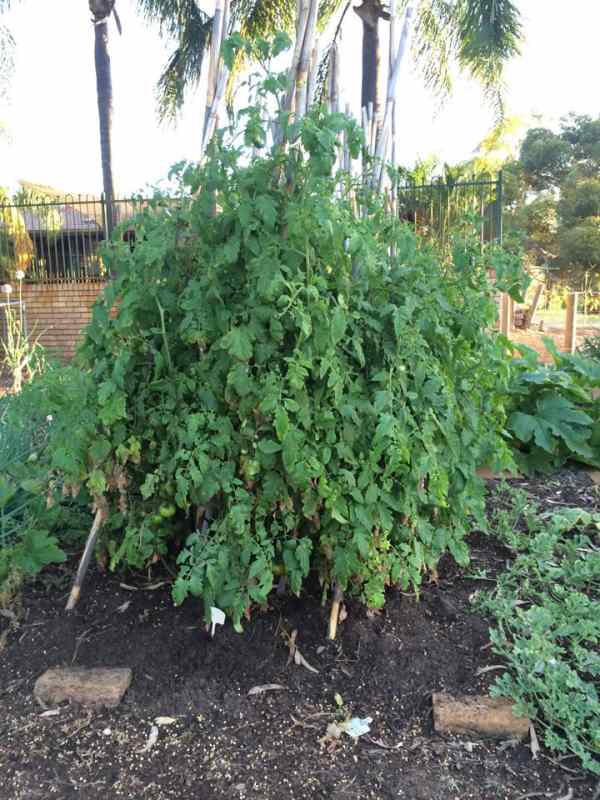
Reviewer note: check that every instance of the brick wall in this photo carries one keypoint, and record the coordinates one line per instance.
(59, 312)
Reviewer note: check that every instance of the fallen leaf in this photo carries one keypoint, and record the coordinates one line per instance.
(533, 742)
(152, 586)
(165, 720)
(152, 739)
(302, 662)
(267, 687)
(483, 670)
(128, 587)
(52, 712)
(123, 608)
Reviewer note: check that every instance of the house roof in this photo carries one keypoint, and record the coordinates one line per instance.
(60, 217)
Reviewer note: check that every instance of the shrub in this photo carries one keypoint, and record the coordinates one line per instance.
(289, 381)
(555, 415)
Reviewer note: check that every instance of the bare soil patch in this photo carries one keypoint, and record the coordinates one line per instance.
(222, 742)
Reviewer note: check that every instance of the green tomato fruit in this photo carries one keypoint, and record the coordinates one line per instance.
(167, 511)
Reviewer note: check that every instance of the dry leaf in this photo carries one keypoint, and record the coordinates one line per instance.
(483, 670)
(267, 687)
(123, 608)
(302, 662)
(152, 739)
(533, 742)
(52, 712)
(165, 720)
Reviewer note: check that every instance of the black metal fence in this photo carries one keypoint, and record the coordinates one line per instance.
(56, 240)
(436, 208)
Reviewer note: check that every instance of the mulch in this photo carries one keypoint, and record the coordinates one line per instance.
(223, 742)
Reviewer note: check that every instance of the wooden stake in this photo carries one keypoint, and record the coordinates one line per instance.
(85, 560)
(534, 304)
(338, 597)
(571, 323)
(504, 315)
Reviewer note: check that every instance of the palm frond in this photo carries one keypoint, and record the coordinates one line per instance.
(7, 45)
(487, 35)
(432, 45)
(190, 28)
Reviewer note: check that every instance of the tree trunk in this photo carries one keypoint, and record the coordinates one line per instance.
(370, 12)
(105, 107)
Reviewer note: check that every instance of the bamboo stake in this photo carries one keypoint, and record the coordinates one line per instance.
(392, 51)
(312, 77)
(211, 84)
(85, 560)
(304, 61)
(338, 598)
(391, 91)
(217, 79)
(302, 11)
(334, 78)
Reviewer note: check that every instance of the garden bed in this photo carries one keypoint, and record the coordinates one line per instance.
(224, 743)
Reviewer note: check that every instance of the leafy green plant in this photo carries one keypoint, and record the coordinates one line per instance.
(591, 347)
(287, 380)
(546, 612)
(555, 415)
(37, 521)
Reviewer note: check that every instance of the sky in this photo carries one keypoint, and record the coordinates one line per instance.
(53, 118)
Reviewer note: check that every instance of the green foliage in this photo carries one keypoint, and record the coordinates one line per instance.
(546, 612)
(311, 388)
(544, 157)
(591, 347)
(554, 415)
(37, 521)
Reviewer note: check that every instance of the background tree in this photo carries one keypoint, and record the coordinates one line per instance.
(554, 199)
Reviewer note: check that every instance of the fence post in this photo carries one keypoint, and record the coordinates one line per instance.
(505, 314)
(571, 323)
(499, 203)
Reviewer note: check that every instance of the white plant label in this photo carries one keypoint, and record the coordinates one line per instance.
(217, 617)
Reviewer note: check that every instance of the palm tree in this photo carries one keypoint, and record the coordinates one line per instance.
(101, 11)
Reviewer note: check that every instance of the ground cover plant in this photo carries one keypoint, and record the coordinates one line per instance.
(546, 622)
(287, 380)
(554, 409)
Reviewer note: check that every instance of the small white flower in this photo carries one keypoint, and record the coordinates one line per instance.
(19, 275)
(6, 288)
(49, 418)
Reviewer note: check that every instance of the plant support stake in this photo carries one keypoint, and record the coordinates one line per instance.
(338, 597)
(85, 560)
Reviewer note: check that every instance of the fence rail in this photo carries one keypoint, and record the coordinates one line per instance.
(57, 240)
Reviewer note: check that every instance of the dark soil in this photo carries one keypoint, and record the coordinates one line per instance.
(224, 743)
